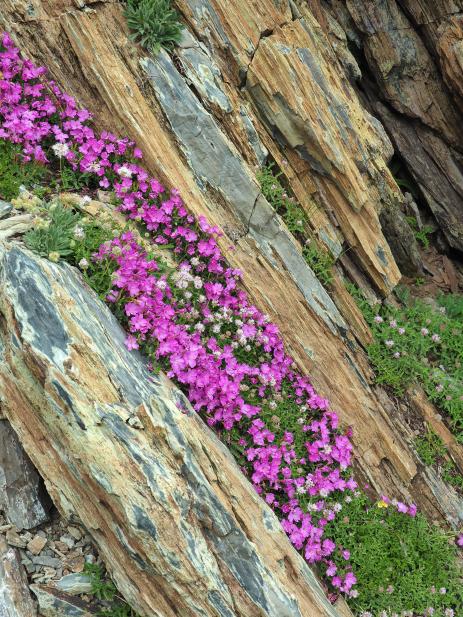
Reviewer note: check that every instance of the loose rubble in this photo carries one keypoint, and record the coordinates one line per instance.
(50, 559)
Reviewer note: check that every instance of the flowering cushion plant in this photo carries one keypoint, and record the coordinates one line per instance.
(194, 321)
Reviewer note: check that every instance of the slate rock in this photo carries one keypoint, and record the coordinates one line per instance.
(22, 496)
(75, 584)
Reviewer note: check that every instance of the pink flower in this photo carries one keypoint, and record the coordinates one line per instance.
(131, 342)
(401, 507)
(424, 331)
(378, 319)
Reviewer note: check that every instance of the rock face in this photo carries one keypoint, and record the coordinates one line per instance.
(176, 522)
(53, 603)
(253, 77)
(21, 498)
(15, 598)
(413, 51)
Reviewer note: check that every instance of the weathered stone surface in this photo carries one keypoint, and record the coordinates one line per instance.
(402, 240)
(297, 101)
(15, 225)
(21, 496)
(450, 49)
(53, 603)
(414, 51)
(216, 163)
(408, 76)
(89, 54)
(175, 521)
(435, 170)
(75, 584)
(15, 599)
(5, 209)
(429, 18)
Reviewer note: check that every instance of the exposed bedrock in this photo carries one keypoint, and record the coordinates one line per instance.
(251, 78)
(177, 524)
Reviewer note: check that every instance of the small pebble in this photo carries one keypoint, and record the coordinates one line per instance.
(37, 544)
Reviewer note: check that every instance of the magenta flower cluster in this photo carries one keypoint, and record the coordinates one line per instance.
(197, 322)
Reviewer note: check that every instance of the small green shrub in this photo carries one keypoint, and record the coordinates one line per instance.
(14, 172)
(104, 589)
(422, 235)
(64, 233)
(155, 24)
(54, 233)
(402, 563)
(274, 192)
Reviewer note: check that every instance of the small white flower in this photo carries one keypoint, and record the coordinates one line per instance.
(83, 264)
(124, 171)
(79, 233)
(94, 167)
(60, 149)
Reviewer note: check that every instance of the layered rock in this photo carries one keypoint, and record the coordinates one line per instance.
(15, 598)
(270, 83)
(413, 50)
(21, 497)
(176, 522)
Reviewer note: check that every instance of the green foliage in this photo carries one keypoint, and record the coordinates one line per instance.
(65, 233)
(422, 235)
(453, 304)
(74, 180)
(321, 262)
(430, 447)
(432, 451)
(401, 562)
(419, 344)
(98, 275)
(14, 172)
(104, 589)
(155, 23)
(274, 192)
(317, 257)
(54, 234)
